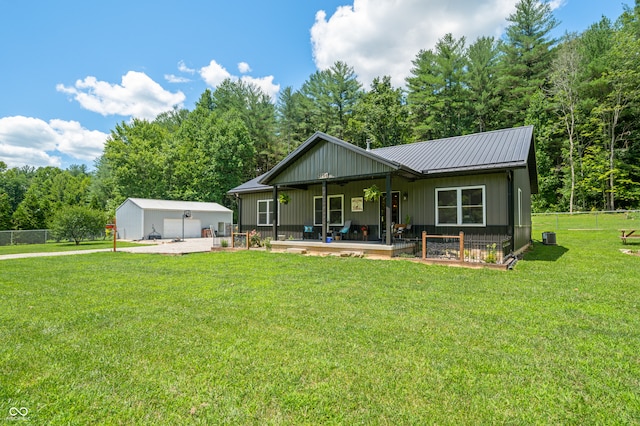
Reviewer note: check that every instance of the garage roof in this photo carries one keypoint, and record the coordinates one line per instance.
(147, 204)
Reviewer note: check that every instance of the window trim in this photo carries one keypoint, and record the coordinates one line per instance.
(269, 202)
(459, 190)
(329, 197)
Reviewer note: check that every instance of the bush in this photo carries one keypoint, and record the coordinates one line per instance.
(77, 223)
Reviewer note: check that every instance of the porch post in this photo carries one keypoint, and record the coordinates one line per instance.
(239, 203)
(324, 211)
(387, 217)
(275, 212)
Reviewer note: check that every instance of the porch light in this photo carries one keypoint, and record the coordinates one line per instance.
(405, 196)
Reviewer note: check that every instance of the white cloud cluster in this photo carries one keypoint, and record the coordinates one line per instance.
(214, 74)
(35, 142)
(380, 37)
(137, 96)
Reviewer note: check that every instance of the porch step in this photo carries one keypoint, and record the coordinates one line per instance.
(297, 250)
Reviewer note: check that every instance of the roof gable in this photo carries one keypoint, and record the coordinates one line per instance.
(325, 157)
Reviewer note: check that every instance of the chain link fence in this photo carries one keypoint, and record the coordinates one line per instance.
(597, 220)
(31, 236)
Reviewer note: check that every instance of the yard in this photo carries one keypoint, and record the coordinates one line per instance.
(259, 338)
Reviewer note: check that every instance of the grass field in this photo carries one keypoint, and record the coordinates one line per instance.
(262, 338)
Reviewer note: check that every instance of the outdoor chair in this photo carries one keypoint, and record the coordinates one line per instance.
(307, 232)
(344, 232)
(398, 230)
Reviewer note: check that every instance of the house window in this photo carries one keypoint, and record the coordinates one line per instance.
(335, 210)
(461, 206)
(265, 212)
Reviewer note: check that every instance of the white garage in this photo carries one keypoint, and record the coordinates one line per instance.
(142, 219)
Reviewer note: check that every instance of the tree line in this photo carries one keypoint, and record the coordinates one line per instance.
(580, 93)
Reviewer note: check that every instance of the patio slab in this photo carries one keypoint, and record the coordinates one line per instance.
(373, 248)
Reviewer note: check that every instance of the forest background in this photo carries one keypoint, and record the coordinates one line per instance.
(581, 93)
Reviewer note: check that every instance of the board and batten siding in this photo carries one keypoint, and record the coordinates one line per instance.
(522, 209)
(327, 159)
(419, 204)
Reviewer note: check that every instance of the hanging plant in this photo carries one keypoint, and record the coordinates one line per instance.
(372, 193)
(284, 198)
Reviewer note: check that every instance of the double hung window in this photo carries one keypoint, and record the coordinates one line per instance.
(461, 206)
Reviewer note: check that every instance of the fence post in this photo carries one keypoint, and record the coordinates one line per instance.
(461, 246)
(424, 245)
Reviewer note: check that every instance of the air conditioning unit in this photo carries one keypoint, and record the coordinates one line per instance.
(549, 238)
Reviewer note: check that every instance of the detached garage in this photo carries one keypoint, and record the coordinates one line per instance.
(141, 219)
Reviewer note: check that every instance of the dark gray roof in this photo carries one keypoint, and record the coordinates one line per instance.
(506, 148)
(252, 185)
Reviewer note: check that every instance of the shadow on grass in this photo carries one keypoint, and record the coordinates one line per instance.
(82, 243)
(545, 253)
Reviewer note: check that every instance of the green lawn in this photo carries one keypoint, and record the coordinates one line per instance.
(64, 246)
(262, 338)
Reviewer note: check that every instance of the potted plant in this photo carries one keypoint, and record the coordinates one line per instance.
(372, 193)
(284, 198)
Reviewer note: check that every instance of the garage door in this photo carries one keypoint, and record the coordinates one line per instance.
(173, 228)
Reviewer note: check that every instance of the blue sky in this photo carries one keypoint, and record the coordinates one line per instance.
(71, 70)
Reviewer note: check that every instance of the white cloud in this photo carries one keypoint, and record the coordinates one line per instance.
(34, 142)
(244, 68)
(214, 74)
(172, 78)
(378, 37)
(265, 84)
(182, 67)
(137, 96)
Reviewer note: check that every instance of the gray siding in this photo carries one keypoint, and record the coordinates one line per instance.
(328, 159)
(419, 205)
(522, 211)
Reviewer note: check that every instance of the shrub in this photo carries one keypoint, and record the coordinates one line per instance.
(77, 223)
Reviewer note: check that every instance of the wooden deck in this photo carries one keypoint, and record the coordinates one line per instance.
(372, 248)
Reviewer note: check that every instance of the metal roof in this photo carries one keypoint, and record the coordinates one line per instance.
(252, 185)
(147, 204)
(506, 148)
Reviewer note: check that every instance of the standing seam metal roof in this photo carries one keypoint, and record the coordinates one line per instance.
(500, 148)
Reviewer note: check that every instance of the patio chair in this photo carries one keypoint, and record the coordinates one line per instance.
(398, 230)
(307, 232)
(344, 232)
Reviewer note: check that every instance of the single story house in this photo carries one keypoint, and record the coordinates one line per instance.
(479, 184)
(140, 219)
